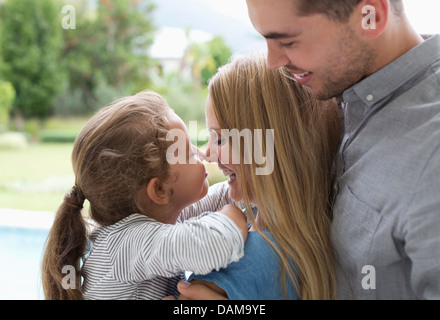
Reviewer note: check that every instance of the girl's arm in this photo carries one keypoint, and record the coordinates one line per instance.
(149, 248)
(200, 245)
(239, 218)
(217, 198)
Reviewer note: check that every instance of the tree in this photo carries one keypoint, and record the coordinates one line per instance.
(107, 52)
(31, 43)
(7, 95)
(127, 33)
(207, 57)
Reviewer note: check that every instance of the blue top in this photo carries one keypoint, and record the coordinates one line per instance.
(256, 276)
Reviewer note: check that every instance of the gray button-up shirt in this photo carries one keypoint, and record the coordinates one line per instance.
(386, 214)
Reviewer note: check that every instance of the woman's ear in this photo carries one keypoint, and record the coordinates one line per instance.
(157, 192)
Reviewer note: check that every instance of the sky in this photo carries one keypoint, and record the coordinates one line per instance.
(423, 14)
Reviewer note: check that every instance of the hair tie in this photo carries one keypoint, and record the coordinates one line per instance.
(75, 198)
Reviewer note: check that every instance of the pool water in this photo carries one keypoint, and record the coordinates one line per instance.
(21, 250)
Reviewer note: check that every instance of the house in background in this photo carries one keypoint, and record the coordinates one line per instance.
(181, 23)
(170, 47)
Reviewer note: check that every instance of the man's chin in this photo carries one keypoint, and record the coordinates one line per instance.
(324, 95)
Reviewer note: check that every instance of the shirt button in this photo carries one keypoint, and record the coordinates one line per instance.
(370, 97)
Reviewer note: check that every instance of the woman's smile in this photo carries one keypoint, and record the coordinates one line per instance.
(227, 172)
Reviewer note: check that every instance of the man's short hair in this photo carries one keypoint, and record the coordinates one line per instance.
(339, 10)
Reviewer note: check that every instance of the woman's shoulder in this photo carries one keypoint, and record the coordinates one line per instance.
(256, 275)
(257, 245)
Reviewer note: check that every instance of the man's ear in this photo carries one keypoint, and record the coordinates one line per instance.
(374, 15)
(157, 192)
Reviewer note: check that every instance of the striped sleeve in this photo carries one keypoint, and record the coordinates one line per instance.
(200, 245)
(217, 198)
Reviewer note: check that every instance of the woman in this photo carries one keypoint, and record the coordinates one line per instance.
(293, 198)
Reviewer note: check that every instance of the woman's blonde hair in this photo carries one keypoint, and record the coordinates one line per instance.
(293, 201)
(117, 153)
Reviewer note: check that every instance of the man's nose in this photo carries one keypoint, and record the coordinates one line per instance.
(276, 55)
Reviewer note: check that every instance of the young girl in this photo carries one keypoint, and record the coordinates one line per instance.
(135, 195)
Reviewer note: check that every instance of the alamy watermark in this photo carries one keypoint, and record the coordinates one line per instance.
(69, 17)
(69, 281)
(251, 142)
(369, 19)
(369, 280)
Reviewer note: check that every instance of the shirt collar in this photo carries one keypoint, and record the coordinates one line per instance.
(388, 79)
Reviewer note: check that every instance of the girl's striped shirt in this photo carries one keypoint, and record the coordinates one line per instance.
(141, 258)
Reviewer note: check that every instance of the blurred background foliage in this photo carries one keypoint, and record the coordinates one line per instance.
(73, 72)
(52, 79)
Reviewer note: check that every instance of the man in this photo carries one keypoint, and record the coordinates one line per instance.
(386, 210)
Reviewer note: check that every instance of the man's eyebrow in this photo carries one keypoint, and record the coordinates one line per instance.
(277, 35)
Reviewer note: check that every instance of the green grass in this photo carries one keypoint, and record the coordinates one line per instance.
(31, 201)
(35, 178)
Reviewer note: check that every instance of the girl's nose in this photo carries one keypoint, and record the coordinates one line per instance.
(210, 156)
(200, 154)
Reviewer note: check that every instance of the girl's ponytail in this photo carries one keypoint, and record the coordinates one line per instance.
(65, 247)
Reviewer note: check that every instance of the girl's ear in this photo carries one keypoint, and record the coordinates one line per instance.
(157, 192)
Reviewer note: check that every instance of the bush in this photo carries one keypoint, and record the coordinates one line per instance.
(58, 136)
(7, 96)
(75, 102)
(13, 141)
(70, 102)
